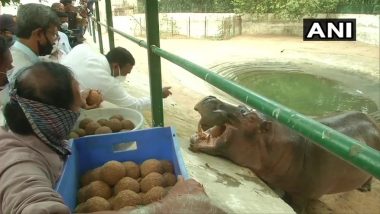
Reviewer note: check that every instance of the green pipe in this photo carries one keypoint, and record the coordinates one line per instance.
(344, 147)
(140, 42)
(110, 23)
(154, 62)
(89, 26)
(93, 29)
(361, 156)
(99, 27)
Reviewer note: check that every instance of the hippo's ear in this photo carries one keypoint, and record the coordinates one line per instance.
(265, 126)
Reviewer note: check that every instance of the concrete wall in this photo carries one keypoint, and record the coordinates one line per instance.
(191, 25)
(367, 26)
(227, 25)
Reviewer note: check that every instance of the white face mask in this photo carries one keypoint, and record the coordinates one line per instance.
(120, 78)
(65, 26)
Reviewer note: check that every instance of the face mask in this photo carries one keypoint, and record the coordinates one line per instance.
(65, 26)
(120, 78)
(45, 49)
(51, 124)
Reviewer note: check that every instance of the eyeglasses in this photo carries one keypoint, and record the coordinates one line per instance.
(7, 33)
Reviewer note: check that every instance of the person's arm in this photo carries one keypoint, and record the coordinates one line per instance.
(118, 95)
(25, 188)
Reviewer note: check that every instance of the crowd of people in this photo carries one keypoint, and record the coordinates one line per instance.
(43, 80)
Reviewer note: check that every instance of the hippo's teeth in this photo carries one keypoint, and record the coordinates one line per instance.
(202, 135)
(216, 131)
(200, 130)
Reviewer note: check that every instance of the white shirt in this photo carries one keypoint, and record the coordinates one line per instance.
(22, 56)
(93, 71)
(63, 43)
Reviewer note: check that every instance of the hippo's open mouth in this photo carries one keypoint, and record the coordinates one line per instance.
(211, 137)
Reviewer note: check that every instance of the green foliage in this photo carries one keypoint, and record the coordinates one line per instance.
(191, 6)
(7, 2)
(291, 9)
(294, 9)
(287, 8)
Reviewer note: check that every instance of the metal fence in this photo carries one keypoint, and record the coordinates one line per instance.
(350, 150)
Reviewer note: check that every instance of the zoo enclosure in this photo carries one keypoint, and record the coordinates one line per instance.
(350, 150)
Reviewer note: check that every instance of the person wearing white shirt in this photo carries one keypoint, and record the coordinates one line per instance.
(104, 73)
(63, 42)
(36, 32)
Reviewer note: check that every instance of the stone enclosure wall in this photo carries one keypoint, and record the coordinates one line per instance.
(228, 25)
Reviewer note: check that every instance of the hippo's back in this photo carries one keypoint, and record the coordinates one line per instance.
(356, 125)
(332, 173)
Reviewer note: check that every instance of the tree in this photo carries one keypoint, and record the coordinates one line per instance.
(5, 2)
(291, 9)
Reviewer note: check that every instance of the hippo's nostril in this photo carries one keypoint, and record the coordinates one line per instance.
(195, 108)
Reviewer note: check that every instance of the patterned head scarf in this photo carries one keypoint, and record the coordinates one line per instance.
(51, 124)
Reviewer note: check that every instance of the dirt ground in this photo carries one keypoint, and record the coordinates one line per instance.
(188, 89)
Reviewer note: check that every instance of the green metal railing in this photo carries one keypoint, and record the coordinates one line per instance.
(350, 150)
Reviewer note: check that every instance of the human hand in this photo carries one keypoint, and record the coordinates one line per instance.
(166, 92)
(183, 187)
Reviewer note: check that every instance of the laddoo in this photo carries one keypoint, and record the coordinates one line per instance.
(73, 135)
(115, 125)
(117, 116)
(90, 176)
(151, 180)
(83, 123)
(94, 98)
(103, 122)
(127, 183)
(95, 188)
(150, 165)
(91, 127)
(127, 124)
(167, 166)
(80, 132)
(96, 204)
(111, 172)
(154, 194)
(126, 198)
(103, 130)
(131, 169)
(169, 179)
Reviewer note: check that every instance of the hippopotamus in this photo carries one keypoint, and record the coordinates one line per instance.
(280, 156)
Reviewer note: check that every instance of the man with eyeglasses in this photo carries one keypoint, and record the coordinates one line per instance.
(37, 31)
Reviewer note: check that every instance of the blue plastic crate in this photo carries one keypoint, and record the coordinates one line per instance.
(93, 151)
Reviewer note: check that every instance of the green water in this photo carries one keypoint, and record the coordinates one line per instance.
(306, 93)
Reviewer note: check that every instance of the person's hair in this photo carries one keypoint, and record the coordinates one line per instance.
(56, 90)
(55, 6)
(120, 56)
(4, 47)
(33, 16)
(62, 14)
(66, 2)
